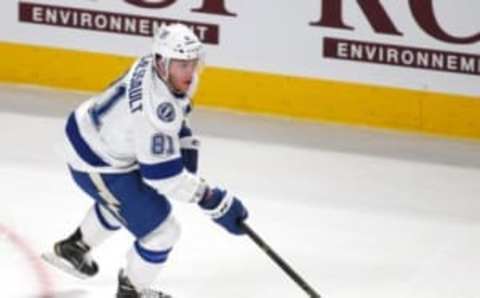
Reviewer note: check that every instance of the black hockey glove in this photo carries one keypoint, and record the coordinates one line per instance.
(189, 149)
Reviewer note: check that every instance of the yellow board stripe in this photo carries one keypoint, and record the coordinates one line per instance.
(58, 67)
(444, 114)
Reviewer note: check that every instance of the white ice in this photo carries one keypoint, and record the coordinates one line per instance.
(356, 212)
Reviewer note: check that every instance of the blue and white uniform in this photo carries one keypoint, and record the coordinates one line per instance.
(136, 123)
(131, 149)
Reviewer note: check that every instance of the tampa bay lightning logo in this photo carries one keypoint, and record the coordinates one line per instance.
(166, 112)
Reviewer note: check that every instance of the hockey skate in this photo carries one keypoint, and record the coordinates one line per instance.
(127, 290)
(71, 256)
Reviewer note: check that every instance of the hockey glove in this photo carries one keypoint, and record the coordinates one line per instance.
(225, 210)
(189, 149)
(190, 159)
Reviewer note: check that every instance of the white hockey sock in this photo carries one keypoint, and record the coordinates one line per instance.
(142, 274)
(147, 257)
(98, 225)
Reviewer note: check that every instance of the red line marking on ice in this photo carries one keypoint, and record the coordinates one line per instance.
(41, 274)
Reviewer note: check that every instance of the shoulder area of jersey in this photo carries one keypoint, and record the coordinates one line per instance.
(164, 112)
(140, 65)
(135, 77)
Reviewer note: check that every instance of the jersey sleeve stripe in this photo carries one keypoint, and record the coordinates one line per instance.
(80, 146)
(162, 170)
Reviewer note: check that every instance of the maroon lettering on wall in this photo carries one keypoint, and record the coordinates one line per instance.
(424, 15)
(398, 55)
(332, 15)
(214, 7)
(209, 6)
(105, 21)
(378, 17)
(372, 9)
(150, 4)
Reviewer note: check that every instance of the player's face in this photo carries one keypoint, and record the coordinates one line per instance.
(181, 73)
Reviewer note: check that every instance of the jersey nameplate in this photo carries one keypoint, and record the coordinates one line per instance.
(135, 87)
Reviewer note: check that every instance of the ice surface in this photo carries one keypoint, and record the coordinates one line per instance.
(357, 212)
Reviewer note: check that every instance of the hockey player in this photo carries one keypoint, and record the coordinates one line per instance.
(131, 149)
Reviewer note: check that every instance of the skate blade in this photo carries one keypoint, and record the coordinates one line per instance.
(63, 265)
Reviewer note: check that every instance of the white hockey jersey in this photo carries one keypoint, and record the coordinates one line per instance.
(136, 124)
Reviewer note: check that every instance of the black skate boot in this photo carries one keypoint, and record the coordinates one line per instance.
(127, 290)
(71, 255)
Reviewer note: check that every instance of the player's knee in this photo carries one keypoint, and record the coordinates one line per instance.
(164, 237)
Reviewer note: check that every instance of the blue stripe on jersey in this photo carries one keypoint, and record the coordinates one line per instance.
(150, 255)
(119, 92)
(81, 147)
(98, 110)
(162, 170)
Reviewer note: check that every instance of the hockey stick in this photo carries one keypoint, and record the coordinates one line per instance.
(278, 260)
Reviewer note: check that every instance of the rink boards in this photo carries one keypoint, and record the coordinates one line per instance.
(260, 92)
(405, 65)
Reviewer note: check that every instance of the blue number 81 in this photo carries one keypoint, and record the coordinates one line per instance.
(162, 144)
